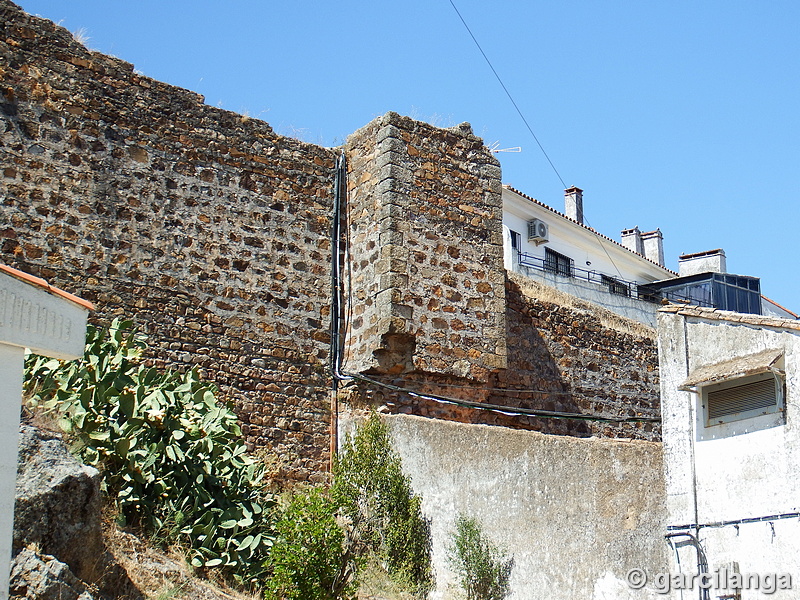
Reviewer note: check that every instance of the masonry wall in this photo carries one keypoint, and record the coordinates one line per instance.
(563, 355)
(214, 233)
(206, 227)
(425, 227)
(568, 355)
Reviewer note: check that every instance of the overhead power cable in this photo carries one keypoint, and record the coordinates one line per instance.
(505, 410)
(510, 97)
(524, 120)
(506, 390)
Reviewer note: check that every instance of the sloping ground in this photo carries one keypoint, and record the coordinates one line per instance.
(160, 576)
(65, 547)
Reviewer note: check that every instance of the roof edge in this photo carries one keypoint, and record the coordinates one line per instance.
(42, 284)
(593, 231)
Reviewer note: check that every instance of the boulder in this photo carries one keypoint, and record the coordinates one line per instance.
(42, 577)
(58, 504)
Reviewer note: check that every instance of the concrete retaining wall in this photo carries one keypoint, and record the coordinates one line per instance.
(576, 514)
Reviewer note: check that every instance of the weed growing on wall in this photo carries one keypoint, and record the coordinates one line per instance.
(483, 570)
(171, 455)
(385, 514)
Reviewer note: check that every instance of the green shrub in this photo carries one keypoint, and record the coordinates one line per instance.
(483, 570)
(313, 557)
(386, 515)
(172, 457)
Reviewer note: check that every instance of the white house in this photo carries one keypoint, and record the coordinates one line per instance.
(730, 395)
(626, 277)
(559, 250)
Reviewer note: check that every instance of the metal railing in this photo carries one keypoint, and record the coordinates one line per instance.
(614, 285)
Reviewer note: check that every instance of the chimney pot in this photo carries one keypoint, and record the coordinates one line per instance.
(573, 204)
(653, 245)
(710, 261)
(632, 240)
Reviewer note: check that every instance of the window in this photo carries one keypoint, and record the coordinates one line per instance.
(742, 398)
(615, 286)
(515, 240)
(557, 263)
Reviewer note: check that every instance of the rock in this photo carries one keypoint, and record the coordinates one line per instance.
(58, 504)
(43, 577)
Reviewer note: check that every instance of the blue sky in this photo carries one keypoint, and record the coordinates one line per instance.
(681, 115)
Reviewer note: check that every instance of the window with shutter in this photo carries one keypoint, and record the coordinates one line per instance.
(742, 398)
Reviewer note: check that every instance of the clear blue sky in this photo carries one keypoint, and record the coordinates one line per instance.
(683, 115)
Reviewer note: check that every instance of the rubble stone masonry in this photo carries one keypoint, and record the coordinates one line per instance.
(214, 234)
(427, 251)
(204, 226)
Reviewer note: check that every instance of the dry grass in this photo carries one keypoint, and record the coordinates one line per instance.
(164, 575)
(377, 585)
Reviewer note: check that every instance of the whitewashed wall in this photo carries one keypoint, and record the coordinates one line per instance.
(746, 469)
(577, 514)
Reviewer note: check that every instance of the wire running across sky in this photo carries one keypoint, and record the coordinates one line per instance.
(510, 97)
(530, 129)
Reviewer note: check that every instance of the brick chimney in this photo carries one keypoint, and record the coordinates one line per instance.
(573, 204)
(710, 261)
(653, 245)
(632, 240)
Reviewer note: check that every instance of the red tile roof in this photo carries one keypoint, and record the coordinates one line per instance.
(41, 283)
(560, 214)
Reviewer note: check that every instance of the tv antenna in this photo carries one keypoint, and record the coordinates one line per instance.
(495, 147)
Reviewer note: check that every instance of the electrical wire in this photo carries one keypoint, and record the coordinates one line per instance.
(505, 410)
(530, 129)
(340, 195)
(505, 89)
(584, 390)
(734, 522)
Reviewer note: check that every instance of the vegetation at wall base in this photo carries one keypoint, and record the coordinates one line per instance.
(484, 572)
(174, 464)
(369, 516)
(383, 510)
(314, 557)
(171, 454)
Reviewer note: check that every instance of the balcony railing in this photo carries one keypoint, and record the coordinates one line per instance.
(612, 284)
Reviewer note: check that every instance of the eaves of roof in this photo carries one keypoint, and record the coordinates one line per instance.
(714, 314)
(597, 233)
(42, 284)
(771, 301)
(741, 366)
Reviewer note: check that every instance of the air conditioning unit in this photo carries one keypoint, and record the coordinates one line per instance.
(537, 231)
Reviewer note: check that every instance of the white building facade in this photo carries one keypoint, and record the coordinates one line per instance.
(560, 251)
(730, 392)
(48, 321)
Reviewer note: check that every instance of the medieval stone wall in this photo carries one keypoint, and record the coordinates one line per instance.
(214, 233)
(427, 251)
(580, 358)
(204, 226)
(564, 355)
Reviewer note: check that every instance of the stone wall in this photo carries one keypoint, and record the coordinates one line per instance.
(214, 233)
(563, 355)
(427, 251)
(204, 226)
(583, 358)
